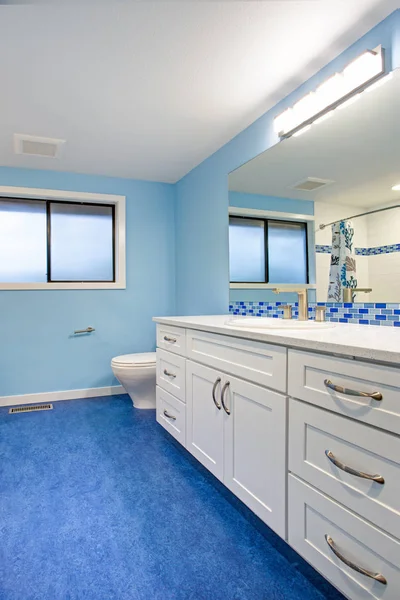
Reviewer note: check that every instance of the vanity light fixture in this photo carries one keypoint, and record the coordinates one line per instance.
(301, 131)
(396, 188)
(340, 89)
(380, 82)
(350, 101)
(324, 117)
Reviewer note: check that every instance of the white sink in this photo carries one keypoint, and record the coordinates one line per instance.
(270, 323)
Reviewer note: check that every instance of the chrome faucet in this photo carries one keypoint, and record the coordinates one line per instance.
(348, 293)
(303, 300)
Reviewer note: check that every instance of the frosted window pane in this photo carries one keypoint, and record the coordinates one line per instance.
(246, 250)
(23, 252)
(287, 252)
(81, 243)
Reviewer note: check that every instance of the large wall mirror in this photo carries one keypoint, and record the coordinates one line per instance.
(320, 206)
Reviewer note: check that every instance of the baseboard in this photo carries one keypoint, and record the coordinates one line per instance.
(66, 395)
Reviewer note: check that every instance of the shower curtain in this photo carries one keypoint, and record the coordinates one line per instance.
(342, 272)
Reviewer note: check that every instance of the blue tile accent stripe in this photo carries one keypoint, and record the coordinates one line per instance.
(323, 249)
(383, 249)
(367, 313)
(320, 249)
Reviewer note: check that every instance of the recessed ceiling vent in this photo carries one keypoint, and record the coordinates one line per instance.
(310, 184)
(37, 146)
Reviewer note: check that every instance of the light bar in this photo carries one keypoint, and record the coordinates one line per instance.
(362, 72)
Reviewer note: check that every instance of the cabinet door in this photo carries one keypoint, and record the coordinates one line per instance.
(255, 449)
(204, 420)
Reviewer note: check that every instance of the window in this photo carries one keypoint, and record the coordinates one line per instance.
(45, 242)
(81, 242)
(267, 251)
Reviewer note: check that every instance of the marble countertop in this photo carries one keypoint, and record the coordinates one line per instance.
(368, 342)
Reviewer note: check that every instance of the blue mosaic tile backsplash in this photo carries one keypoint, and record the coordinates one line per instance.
(368, 313)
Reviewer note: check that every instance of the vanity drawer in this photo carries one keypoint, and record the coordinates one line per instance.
(171, 414)
(312, 516)
(171, 373)
(257, 362)
(307, 373)
(314, 431)
(172, 339)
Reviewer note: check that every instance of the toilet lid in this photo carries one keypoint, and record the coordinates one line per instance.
(146, 358)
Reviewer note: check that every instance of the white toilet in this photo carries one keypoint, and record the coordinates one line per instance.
(137, 373)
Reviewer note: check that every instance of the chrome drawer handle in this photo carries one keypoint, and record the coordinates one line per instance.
(340, 465)
(226, 409)
(346, 561)
(169, 416)
(342, 390)
(169, 339)
(168, 374)
(217, 381)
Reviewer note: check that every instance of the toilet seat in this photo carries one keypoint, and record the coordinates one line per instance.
(146, 359)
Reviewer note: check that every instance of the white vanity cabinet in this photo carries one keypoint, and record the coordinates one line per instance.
(255, 449)
(344, 471)
(308, 440)
(205, 423)
(371, 391)
(366, 565)
(257, 362)
(237, 430)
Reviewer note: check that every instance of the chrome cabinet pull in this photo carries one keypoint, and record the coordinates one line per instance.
(168, 374)
(169, 416)
(217, 381)
(346, 561)
(342, 390)
(340, 465)
(87, 330)
(226, 409)
(169, 339)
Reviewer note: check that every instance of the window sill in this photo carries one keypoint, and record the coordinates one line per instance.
(87, 285)
(270, 286)
(94, 198)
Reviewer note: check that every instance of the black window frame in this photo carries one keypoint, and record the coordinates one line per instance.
(265, 222)
(48, 204)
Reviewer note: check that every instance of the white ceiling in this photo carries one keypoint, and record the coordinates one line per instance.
(357, 149)
(148, 90)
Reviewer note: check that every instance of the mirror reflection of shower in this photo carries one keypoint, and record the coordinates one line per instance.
(355, 255)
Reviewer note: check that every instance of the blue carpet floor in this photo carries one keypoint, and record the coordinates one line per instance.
(97, 503)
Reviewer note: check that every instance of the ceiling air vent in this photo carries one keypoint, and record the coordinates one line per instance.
(37, 146)
(310, 184)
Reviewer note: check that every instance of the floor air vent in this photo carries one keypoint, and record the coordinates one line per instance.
(20, 409)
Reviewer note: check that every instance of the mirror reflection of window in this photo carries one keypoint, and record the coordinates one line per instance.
(287, 252)
(246, 250)
(266, 251)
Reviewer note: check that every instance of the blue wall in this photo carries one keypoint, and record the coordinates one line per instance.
(259, 202)
(37, 353)
(202, 195)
